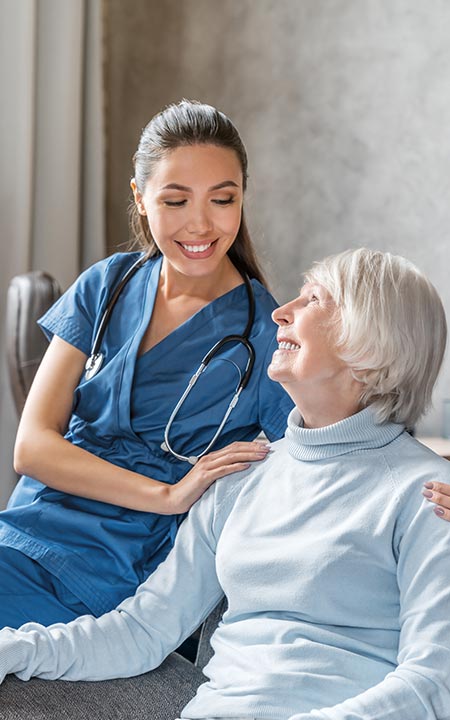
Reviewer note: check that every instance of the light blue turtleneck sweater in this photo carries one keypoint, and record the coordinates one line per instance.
(337, 576)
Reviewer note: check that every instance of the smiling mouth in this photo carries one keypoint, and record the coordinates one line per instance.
(283, 345)
(197, 248)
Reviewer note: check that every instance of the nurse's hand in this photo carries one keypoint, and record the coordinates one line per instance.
(439, 494)
(211, 467)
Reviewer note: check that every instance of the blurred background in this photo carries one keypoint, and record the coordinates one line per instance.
(344, 106)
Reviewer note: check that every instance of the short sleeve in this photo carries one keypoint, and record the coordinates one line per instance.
(73, 316)
(274, 402)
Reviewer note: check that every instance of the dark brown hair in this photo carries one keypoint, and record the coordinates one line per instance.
(181, 124)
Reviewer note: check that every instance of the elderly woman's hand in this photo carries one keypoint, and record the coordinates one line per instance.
(439, 494)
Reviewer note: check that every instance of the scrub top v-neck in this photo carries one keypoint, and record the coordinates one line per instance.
(101, 552)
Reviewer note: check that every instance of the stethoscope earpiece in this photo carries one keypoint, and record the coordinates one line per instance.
(191, 459)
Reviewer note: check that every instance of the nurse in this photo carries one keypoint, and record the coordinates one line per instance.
(100, 500)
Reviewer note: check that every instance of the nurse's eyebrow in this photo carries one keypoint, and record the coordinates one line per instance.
(185, 188)
(224, 184)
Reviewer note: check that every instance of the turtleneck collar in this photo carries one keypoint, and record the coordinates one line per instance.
(357, 432)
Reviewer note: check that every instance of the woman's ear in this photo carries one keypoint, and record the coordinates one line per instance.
(137, 198)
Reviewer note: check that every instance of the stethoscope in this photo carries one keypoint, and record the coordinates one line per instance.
(96, 358)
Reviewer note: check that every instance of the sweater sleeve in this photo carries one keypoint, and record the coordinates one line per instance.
(141, 631)
(419, 688)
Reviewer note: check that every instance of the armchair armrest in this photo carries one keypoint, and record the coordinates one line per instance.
(29, 296)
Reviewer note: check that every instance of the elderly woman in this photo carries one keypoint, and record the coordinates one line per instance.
(335, 570)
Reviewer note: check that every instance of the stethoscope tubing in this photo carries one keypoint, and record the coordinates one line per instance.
(96, 357)
(245, 377)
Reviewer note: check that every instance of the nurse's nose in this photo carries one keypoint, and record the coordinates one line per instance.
(199, 222)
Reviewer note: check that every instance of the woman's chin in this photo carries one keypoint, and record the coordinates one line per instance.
(277, 368)
(277, 374)
(272, 372)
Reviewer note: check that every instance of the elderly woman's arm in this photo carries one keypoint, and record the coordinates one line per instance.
(419, 688)
(142, 631)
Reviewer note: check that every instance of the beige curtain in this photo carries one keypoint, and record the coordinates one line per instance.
(51, 169)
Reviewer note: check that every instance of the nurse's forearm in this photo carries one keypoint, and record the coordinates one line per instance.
(48, 457)
(42, 452)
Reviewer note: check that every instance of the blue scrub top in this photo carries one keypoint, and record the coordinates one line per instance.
(102, 552)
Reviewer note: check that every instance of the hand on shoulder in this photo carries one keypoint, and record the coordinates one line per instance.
(439, 494)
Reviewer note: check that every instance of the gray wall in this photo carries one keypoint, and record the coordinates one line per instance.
(344, 106)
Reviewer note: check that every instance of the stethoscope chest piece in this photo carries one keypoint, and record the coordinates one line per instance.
(93, 365)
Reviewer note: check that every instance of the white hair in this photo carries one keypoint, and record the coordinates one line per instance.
(391, 329)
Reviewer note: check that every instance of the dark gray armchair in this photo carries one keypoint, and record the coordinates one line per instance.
(29, 296)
